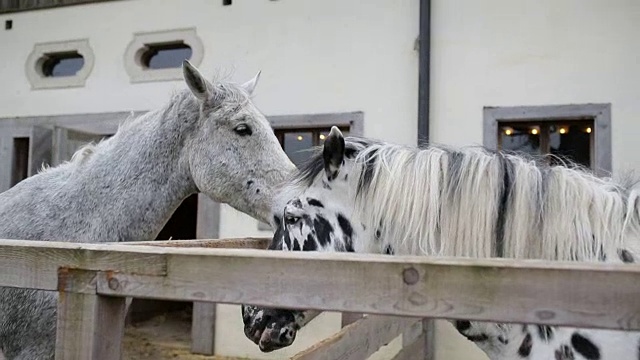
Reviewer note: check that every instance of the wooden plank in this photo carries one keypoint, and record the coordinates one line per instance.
(260, 243)
(551, 293)
(6, 160)
(350, 317)
(89, 327)
(413, 350)
(203, 323)
(67, 141)
(429, 341)
(34, 264)
(40, 149)
(358, 340)
(567, 294)
(11, 6)
(203, 328)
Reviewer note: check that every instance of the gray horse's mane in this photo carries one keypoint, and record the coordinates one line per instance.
(474, 202)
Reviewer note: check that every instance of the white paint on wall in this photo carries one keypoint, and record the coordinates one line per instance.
(511, 53)
(316, 57)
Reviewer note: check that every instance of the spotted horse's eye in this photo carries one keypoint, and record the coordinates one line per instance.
(291, 220)
(243, 130)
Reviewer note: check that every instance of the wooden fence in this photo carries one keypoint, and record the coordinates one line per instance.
(396, 291)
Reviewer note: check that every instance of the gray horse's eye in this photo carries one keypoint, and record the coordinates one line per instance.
(243, 130)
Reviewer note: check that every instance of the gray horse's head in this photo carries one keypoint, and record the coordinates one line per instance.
(233, 154)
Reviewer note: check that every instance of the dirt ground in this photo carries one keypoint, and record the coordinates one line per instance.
(163, 337)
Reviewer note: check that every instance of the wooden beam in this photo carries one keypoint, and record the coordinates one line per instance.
(530, 291)
(203, 328)
(239, 243)
(89, 326)
(348, 344)
(10, 6)
(34, 264)
(349, 318)
(413, 350)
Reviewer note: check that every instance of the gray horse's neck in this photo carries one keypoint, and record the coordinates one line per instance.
(125, 189)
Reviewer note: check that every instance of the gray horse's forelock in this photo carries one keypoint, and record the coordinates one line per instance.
(479, 203)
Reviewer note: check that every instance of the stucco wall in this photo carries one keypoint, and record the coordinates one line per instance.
(316, 57)
(510, 53)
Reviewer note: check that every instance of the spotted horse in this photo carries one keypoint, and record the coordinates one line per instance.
(365, 196)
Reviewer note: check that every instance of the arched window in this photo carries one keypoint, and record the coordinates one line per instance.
(158, 56)
(59, 64)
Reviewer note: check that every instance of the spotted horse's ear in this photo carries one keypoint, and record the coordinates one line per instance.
(333, 153)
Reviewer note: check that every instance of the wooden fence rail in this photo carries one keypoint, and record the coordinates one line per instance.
(94, 279)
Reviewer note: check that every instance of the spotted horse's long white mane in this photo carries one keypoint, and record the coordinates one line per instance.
(368, 196)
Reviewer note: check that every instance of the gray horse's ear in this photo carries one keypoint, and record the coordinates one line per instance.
(198, 85)
(333, 153)
(250, 85)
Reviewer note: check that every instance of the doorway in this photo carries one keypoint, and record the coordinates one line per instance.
(181, 226)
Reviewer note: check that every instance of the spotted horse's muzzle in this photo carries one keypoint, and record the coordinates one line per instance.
(270, 329)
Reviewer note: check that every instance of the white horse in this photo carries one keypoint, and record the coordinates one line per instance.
(209, 138)
(372, 197)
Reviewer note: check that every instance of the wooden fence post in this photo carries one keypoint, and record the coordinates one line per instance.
(89, 326)
(203, 328)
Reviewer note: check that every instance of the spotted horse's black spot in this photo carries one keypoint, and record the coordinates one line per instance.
(625, 256)
(585, 347)
(323, 230)
(310, 244)
(315, 202)
(462, 325)
(525, 348)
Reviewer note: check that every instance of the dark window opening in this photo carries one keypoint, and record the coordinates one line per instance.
(165, 55)
(570, 140)
(226, 2)
(20, 161)
(298, 143)
(62, 64)
(182, 224)
(8, 24)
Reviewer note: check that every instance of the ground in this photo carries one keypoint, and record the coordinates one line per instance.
(163, 337)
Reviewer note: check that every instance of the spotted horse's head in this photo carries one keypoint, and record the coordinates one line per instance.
(314, 213)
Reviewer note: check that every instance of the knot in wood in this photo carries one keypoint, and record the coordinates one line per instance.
(410, 276)
(113, 283)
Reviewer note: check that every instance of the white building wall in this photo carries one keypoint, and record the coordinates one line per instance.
(316, 57)
(542, 52)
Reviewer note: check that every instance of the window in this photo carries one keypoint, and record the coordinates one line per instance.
(59, 64)
(297, 143)
(165, 56)
(580, 133)
(158, 56)
(568, 140)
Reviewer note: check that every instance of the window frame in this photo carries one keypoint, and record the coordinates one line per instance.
(40, 51)
(139, 45)
(600, 114)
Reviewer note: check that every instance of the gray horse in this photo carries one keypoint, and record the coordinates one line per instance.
(210, 138)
